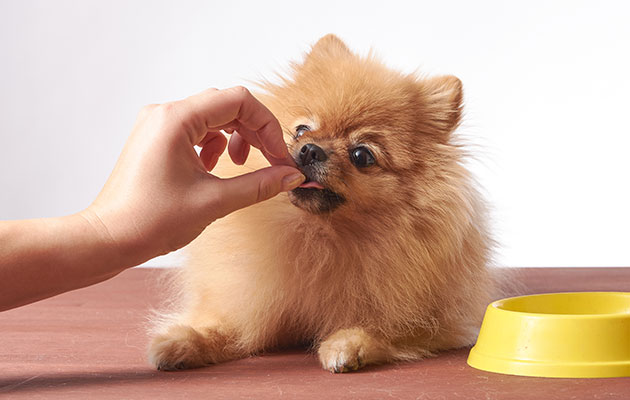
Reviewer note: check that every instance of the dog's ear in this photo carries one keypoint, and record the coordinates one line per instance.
(328, 46)
(442, 97)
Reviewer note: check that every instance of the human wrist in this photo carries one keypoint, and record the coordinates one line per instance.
(128, 246)
(40, 258)
(117, 253)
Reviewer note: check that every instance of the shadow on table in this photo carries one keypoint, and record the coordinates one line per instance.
(67, 380)
(231, 373)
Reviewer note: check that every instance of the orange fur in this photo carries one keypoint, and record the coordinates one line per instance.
(397, 272)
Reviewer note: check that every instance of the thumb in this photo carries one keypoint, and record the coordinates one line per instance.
(254, 187)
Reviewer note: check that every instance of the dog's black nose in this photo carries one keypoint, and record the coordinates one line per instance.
(311, 153)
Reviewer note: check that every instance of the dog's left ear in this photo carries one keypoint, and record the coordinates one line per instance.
(443, 96)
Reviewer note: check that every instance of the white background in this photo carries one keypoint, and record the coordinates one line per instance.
(547, 97)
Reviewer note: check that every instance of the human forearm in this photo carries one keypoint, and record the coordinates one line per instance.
(41, 258)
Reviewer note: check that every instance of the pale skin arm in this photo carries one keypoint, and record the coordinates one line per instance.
(158, 198)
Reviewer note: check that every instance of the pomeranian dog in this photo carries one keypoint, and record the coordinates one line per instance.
(381, 256)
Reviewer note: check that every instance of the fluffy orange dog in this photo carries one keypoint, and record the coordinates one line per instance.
(381, 256)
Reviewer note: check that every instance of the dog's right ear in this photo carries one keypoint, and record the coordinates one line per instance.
(329, 46)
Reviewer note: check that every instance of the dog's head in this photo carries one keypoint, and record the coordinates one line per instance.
(366, 137)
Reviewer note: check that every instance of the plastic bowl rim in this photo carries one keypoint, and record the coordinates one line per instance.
(496, 305)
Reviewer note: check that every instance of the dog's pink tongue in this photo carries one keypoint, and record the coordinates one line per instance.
(311, 185)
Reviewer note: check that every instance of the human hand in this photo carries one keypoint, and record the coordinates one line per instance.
(160, 195)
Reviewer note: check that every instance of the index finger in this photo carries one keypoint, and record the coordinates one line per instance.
(238, 108)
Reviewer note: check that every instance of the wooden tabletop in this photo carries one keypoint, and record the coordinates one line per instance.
(91, 343)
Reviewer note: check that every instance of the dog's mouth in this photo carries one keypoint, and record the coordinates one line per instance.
(313, 178)
(308, 184)
(313, 196)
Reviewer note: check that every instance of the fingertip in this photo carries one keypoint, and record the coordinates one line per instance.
(284, 161)
(212, 146)
(238, 149)
(254, 187)
(291, 181)
(209, 158)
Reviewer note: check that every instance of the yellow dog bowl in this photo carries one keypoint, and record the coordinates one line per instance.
(562, 335)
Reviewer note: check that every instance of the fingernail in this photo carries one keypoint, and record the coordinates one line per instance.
(292, 181)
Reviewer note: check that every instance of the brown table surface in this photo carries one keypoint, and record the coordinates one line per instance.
(92, 343)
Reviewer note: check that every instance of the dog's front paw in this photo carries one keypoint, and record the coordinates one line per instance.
(179, 348)
(183, 347)
(346, 350)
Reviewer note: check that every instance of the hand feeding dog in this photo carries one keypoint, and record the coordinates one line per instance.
(380, 256)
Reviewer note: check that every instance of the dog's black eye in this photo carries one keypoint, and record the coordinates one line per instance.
(361, 157)
(301, 129)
